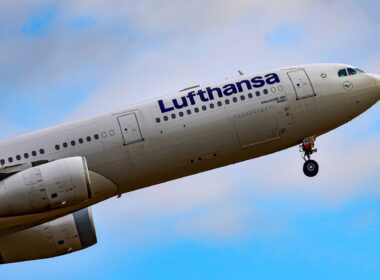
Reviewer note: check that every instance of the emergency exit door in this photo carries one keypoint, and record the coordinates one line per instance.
(130, 128)
(302, 84)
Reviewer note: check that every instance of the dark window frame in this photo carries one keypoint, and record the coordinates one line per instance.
(342, 73)
(351, 72)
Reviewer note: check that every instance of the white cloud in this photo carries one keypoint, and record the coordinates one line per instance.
(196, 38)
(197, 42)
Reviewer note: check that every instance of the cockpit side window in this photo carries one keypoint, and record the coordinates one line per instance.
(351, 71)
(342, 73)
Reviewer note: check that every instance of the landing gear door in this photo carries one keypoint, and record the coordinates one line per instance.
(301, 83)
(130, 128)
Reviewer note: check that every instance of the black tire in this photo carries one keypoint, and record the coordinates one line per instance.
(311, 168)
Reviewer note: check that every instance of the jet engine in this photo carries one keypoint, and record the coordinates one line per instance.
(59, 237)
(49, 186)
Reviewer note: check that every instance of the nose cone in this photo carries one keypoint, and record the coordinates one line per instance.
(377, 82)
(377, 79)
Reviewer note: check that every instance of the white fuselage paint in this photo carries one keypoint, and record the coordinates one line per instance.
(150, 152)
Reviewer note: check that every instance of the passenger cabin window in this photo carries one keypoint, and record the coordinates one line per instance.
(342, 73)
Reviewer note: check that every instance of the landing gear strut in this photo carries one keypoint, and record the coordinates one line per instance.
(310, 167)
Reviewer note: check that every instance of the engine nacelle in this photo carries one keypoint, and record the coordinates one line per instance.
(53, 185)
(59, 237)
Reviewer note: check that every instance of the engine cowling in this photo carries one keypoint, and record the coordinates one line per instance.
(53, 185)
(59, 237)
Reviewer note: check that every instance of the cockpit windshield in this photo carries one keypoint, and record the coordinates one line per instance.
(349, 72)
(342, 73)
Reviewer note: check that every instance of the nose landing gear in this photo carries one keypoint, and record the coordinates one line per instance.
(310, 167)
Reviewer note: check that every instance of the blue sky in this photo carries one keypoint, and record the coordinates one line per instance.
(261, 219)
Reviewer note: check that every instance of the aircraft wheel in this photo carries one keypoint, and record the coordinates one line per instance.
(311, 168)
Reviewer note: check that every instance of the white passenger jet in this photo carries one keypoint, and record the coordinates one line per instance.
(50, 178)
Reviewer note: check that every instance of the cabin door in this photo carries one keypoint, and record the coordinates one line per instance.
(130, 128)
(301, 83)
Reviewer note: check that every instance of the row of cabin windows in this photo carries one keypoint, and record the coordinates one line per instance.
(73, 142)
(218, 104)
(42, 151)
(26, 156)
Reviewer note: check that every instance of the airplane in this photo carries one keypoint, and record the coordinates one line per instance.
(50, 178)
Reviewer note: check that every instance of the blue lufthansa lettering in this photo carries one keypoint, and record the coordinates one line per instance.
(191, 96)
(201, 93)
(182, 105)
(247, 84)
(163, 108)
(229, 90)
(272, 79)
(209, 93)
(258, 82)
